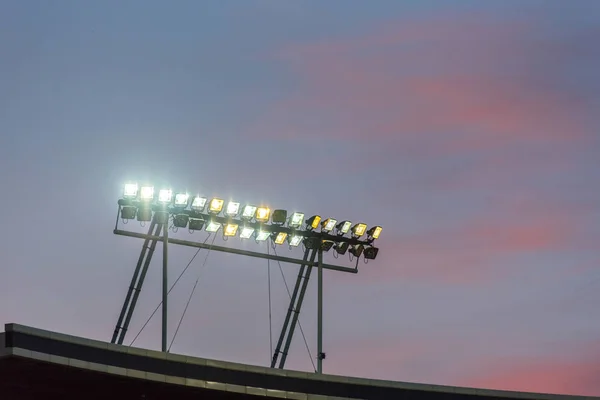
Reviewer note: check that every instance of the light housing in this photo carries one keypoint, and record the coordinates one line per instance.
(146, 193)
(128, 212)
(196, 224)
(371, 253)
(247, 232)
(313, 222)
(280, 237)
(328, 225)
(357, 250)
(296, 220)
(161, 217)
(312, 243)
(262, 235)
(231, 229)
(295, 240)
(144, 214)
(359, 229)
(212, 226)
(198, 203)
(165, 196)
(233, 208)
(279, 217)
(181, 200)
(341, 247)
(343, 227)
(262, 214)
(180, 220)
(130, 191)
(215, 206)
(374, 232)
(248, 212)
(326, 245)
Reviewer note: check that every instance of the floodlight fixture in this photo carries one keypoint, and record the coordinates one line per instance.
(280, 237)
(371, 253)
(248, 212)
(357, 250)
(215, 206)
(180, 220)
(296, 220)
(128, 212)
(147, 193)
(231, 229)
(341, 247)
(326, 245)
(165, 196)
(161, 217)
(144, 214)
(295, 240)
(247, 232)
(263, 214)
(374, 232)
(328, 225)
(130, 191)
(181, 200)
(262, 235)
(343, 227)
(312, 243)
(196, 224)
(199, 203)
(313, 222)
(279, 217)
(359, 229)
(212, 226)
(233, 208)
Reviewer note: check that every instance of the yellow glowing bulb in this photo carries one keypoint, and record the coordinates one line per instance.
(216, 205)
(316, 222)
(262, 214)
(231, 229)
(377, 232)
(281, 236)
(359, 229)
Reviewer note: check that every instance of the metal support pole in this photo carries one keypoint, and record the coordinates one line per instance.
(133, 283)
(165, 285)
(288, 342)
(320, 354)
(138, 286)
(291, 308)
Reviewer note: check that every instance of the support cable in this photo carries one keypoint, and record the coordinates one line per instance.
(191, 294)
(299, 324)
(172, 286)
(270, 315)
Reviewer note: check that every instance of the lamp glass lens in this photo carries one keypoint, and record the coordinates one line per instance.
(165, 196)
(262, 214)
(130, 190)
(232, 208)
(280, 238)
(246, 232)
(231, 229)
(212, 226)
(147, 193)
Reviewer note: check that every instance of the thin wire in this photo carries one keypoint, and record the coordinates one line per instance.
(299, 324)
(270, 315)
(191, 294)
(172, 286)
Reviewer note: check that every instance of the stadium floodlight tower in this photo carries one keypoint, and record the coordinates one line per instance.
(163, 207)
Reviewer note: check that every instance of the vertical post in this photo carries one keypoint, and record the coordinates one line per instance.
(320, 354)
(165, 284)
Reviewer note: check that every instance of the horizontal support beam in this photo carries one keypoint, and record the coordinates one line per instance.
(233, 251)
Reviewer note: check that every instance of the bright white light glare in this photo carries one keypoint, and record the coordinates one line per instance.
(295, 240)
(198, 203)
(329, 224)
(130, 190)
(231, 229)
(262, 235)
(248, 212)
(182, 199)
(246, 232)
(296, 220)
(216, 205)
(212, 226)
(147, 193)
(280, 238)
(232, 208)
(346, 227)
(165, 195)
(262, 214)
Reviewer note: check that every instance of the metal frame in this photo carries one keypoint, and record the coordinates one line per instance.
(306, 265)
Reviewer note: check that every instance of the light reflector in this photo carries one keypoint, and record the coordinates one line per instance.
(246, 232)
(212, 226)
(198, 203)
(181, 200)
(371, 253)
(357, 250)
(280, 238)
(262, 235)
(295, 240)
(328, 225)
(165, 196)
(231, 229)
(296, 220)
(215, 206)
(130, 191)
(374, 232)
(147, 193)
(232, 209)
(341, 248)
(359, 229)
(248, 212)
(180, 220)
(343, 227)
(263, 214)
(326, 245)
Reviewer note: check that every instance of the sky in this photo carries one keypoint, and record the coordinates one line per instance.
(467, 129)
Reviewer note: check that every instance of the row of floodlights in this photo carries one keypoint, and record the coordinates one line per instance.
(181, 201)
